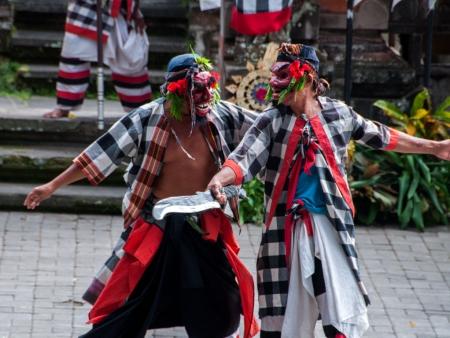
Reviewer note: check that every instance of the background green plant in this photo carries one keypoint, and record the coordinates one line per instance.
(412, 188)
(10, 84)
(251, 209)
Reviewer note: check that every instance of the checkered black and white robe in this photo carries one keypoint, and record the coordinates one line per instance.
(140, 138)
(268, 150)
(82, 16)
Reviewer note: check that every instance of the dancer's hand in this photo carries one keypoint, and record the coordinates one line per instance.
(37, 195)
(442, 150)
(216, 189)
(224, 177)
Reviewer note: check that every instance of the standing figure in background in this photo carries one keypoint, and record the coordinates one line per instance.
(125, 46)
(307, 263)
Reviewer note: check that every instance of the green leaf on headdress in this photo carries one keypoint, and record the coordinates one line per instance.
(202, 61)
(216, 94)
(176, 105)
(269, 93)
(286, 91)
(293, 85)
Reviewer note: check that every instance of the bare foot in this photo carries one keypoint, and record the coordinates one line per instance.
(56, 113)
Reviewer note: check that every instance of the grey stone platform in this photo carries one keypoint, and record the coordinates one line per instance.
(47, 260)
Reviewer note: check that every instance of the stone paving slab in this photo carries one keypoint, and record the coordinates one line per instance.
(47, 260)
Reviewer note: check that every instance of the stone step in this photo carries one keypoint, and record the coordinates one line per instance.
(22, 122)
(72, 199)
(79, 130)
(40, 163)
(45, 71)
(53, 39)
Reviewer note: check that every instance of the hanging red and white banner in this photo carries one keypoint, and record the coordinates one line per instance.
(256, 17)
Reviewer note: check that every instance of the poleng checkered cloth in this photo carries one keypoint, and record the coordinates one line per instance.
(263, 151)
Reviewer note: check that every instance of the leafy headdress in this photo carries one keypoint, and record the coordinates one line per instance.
(303, 61)
(179, 83)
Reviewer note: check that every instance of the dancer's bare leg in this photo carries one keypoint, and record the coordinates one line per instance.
(56, 113)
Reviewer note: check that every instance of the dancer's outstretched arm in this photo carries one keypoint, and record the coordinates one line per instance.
(40, 193)
(415, 145)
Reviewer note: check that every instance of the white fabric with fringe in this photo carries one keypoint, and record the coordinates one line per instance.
(342, 305)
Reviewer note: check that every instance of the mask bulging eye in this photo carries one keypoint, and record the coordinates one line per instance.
(282, 74)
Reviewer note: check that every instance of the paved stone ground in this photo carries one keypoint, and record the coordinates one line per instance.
(47, 260)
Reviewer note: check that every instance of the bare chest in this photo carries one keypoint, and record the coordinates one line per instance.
(184, 174)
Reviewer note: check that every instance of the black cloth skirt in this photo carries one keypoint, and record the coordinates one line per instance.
(189, 283)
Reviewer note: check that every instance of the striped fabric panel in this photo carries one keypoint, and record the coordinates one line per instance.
(133, 89)
(82, 18)
(149, 171)
(72, 83)
(259, 6)
(89, 169)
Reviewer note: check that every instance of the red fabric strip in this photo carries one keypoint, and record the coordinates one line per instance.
(236, 169)
(306, 216)
(140, 250)
(259, 23)
(310, 160)
(130, 79)
(246, 289)
(294, 138)
(289, 223)
(324, 143)
(129, 9)
(115, 8)
(393, 141)
(74, 75)
(87, 33)
(69, 95)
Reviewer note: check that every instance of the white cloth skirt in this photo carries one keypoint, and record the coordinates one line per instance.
(342, 304)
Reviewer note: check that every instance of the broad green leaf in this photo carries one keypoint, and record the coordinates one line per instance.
(417, 216)
(386, 198)
(391, 110)
(406, 214)
(403, 183)
(396, 158)
(444, 109)
(424, 169)
(410, 163)
(364, 183)
(420, 114)
(443, 116)
(420, 126)
(431, 191)
(414, 184)
(419, 101)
